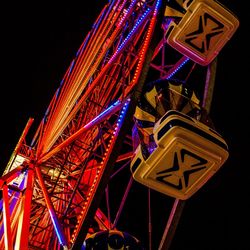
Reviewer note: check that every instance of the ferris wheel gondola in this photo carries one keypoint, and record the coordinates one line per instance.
(57, 191)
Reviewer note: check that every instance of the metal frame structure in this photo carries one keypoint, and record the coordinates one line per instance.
(53, 189)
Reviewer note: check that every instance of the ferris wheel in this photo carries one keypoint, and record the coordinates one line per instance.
(138, 90)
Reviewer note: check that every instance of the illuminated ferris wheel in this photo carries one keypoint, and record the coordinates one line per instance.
(127, 104)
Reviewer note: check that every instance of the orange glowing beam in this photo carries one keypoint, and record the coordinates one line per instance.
(10, 176)
(22, 236)
(6, 218)
(143, 51)
(76, 84)
(73, 137)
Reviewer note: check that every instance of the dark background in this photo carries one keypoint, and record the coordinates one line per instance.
(38, 43)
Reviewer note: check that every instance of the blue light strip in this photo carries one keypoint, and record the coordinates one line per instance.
(56, 229)
(157, 7)
(103, 113)
(177, 69)
(128, 10)
(122, 115)
(131, 33)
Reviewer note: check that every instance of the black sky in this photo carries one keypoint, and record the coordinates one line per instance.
(38, 43)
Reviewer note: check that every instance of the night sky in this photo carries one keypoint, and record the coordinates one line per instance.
(38, 43)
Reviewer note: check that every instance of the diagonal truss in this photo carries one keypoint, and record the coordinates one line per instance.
(53, 189)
